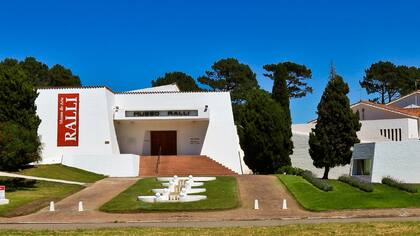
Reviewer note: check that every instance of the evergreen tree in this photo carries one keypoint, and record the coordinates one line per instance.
(262, 133)
(19, 143)
(182, 80)
(334, 134)
(41, 75)
(230, 75)
(280, 93)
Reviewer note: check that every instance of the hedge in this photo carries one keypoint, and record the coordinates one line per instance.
(13, 184)
(355, 182)
(289, 170)
(399, 184)
(319, 183)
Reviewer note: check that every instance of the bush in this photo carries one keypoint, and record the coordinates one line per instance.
(319, 183)
(13, 184)
(19, 146)
(398, 184)
(290, 170)
(355, 182)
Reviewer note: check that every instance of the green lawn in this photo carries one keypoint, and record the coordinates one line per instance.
(221, 194)
(376, 228)
(29, 200)
(345, 196)
(58, 171)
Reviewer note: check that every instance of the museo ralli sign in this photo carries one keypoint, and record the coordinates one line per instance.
(68, 119)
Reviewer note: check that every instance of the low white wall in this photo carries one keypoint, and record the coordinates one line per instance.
(120, 165)
(400, 160)
(301, 158)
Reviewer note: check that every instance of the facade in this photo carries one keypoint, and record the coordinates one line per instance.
(389, 141)
(96, 129)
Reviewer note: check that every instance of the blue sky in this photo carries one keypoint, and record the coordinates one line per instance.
(126, 44)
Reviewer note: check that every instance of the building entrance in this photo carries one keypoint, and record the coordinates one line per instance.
(163, 141)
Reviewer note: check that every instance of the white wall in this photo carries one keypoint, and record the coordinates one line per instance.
(303, 128)
(370, 130)
(134, 136)
(400, 160)
(95, 123)
(120, 165)
(301, 158)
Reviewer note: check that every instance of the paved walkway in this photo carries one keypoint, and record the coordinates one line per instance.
(6, 174)
(267, 189)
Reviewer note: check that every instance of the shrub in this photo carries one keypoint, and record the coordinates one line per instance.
(13, 184)
(399, 184)
(19, 146)
(319, 183)
(355, 182)
(290, 170)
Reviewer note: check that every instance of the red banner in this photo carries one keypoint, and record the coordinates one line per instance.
(68, 119)
(2, 187)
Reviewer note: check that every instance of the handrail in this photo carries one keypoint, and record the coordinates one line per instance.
(158, 160)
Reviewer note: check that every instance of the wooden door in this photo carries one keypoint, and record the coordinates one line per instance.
(164, 140)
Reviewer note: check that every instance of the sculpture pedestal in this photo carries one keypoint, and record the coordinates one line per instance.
(4, 201)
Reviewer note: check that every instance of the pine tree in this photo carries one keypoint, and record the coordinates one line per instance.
(334, 134)
(280, 93)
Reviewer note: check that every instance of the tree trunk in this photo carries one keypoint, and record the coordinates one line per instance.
(326, 171)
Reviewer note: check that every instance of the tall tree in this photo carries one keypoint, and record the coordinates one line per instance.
(19, 143)
(230, 75)
(37, 72)
(61, 76)
(182, 80)
(280, 93)
(262, 134)
(382, 78)
(334, 134)
(41, 75)
(410, 79)
(296, 76)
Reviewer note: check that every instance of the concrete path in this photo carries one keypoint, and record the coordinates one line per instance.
(198, 224)
(6, 174)
(94, 196)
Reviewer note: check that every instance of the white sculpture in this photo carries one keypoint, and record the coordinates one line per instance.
(178, 189)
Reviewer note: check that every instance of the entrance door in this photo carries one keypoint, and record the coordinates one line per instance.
(164, 140)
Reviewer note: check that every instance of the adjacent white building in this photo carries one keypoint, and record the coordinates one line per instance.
(96, 129)
(389, 138)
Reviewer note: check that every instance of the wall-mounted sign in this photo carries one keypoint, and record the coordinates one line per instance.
(194, 140)
(68, 119)
(2, 192)
(161, 113)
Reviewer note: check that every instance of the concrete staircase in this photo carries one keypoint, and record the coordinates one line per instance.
(182, 166)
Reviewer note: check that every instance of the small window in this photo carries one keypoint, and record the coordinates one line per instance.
(389, 133)
(392, 134)
(363, 113)
(381, 131)
(399, 133)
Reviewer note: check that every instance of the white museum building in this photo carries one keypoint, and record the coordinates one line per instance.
(152, 131)
(389, 137)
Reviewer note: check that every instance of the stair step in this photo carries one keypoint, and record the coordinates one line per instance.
(182, 165)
